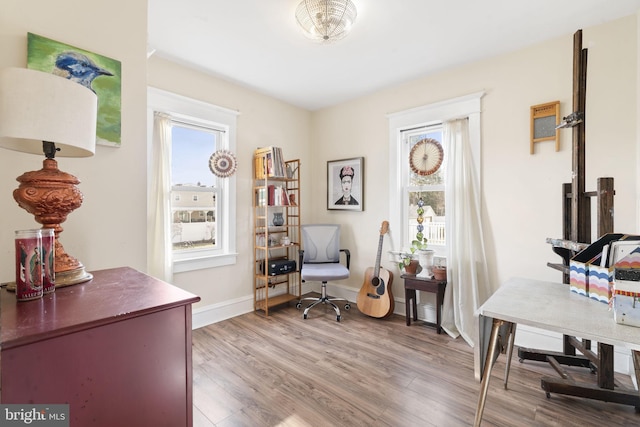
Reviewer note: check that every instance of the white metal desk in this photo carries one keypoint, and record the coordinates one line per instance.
(546, 305)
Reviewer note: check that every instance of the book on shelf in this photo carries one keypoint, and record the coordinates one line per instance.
(261, 197)
(268, 162)
(277, 196)
(285, 196)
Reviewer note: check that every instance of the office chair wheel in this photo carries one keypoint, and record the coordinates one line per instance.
(338, 317)
(299, 305)
(304, 316)
(347, 307)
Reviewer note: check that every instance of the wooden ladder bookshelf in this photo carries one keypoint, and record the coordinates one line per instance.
(276, 191)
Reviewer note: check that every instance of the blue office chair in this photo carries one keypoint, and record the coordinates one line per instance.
(320, 262)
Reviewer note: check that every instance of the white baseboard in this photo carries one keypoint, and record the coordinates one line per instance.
(525, 336)
(208, 315)
(203, 316)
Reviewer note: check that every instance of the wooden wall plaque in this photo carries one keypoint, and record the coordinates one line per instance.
(544, 120)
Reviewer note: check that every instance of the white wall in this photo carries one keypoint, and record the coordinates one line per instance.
(521, 192)
(109, 230)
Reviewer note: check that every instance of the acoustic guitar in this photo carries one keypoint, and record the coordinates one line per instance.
(375, 298)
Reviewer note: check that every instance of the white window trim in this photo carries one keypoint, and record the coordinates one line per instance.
(464, 106)
(160, 100)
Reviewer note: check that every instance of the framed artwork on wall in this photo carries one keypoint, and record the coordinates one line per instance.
(345, 184)
(98, 73)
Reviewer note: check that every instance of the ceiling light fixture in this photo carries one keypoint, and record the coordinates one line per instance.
(326, 20)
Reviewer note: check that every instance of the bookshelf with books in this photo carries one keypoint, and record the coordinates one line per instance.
(276, 225)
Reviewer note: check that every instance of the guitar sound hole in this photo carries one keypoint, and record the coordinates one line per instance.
(375, 281)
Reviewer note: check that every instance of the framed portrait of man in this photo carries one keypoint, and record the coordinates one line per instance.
(345, 184)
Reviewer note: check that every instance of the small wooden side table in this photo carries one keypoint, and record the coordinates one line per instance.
(413, 284)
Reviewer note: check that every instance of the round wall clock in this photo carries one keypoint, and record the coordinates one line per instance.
(222, 163)
(426, 157)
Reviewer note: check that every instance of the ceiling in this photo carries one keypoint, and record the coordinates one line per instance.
(257, 43)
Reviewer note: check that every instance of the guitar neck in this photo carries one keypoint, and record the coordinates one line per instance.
(376, 270)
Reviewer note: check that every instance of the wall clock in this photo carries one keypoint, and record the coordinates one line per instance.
(222, 163)
(426, 157)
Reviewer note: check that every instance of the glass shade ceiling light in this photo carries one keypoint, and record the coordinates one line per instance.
(326, 20)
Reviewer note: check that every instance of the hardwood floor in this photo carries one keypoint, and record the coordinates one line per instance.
(286, 371)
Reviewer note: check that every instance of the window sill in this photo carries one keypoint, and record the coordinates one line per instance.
(200, 263)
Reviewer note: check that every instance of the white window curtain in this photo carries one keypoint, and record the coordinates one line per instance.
(160, 246)
(467, 274)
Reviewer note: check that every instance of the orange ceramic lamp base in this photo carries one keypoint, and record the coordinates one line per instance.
(50, 195)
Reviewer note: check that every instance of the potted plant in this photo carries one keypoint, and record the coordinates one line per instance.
(407, 256)
(418, 246)
(440, 272)
(407, 262)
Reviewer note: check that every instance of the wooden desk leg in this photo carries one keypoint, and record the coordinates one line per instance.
(488, 364)
(635, 354)
(409, 301)
(511, 338)
(439, 301)
(605, 372)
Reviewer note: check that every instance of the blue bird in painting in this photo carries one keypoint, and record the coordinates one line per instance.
(79, 68)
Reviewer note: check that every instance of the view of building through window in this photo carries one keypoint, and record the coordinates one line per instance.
(194, 189)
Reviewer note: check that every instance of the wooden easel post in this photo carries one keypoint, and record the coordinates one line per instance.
(580, 206)
(576, 213)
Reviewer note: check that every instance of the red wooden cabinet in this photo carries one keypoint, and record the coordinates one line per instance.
(117, 349)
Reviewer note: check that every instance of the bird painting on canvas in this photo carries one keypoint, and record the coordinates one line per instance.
(79, 68)
(98, 73)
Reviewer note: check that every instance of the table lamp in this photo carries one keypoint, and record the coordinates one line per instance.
(45, 113)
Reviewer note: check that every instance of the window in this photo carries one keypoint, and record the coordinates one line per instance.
(406, 188)
(430, 189)
(193, 227)
(201, 217)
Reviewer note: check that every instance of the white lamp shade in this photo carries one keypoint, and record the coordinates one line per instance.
(36, 106)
